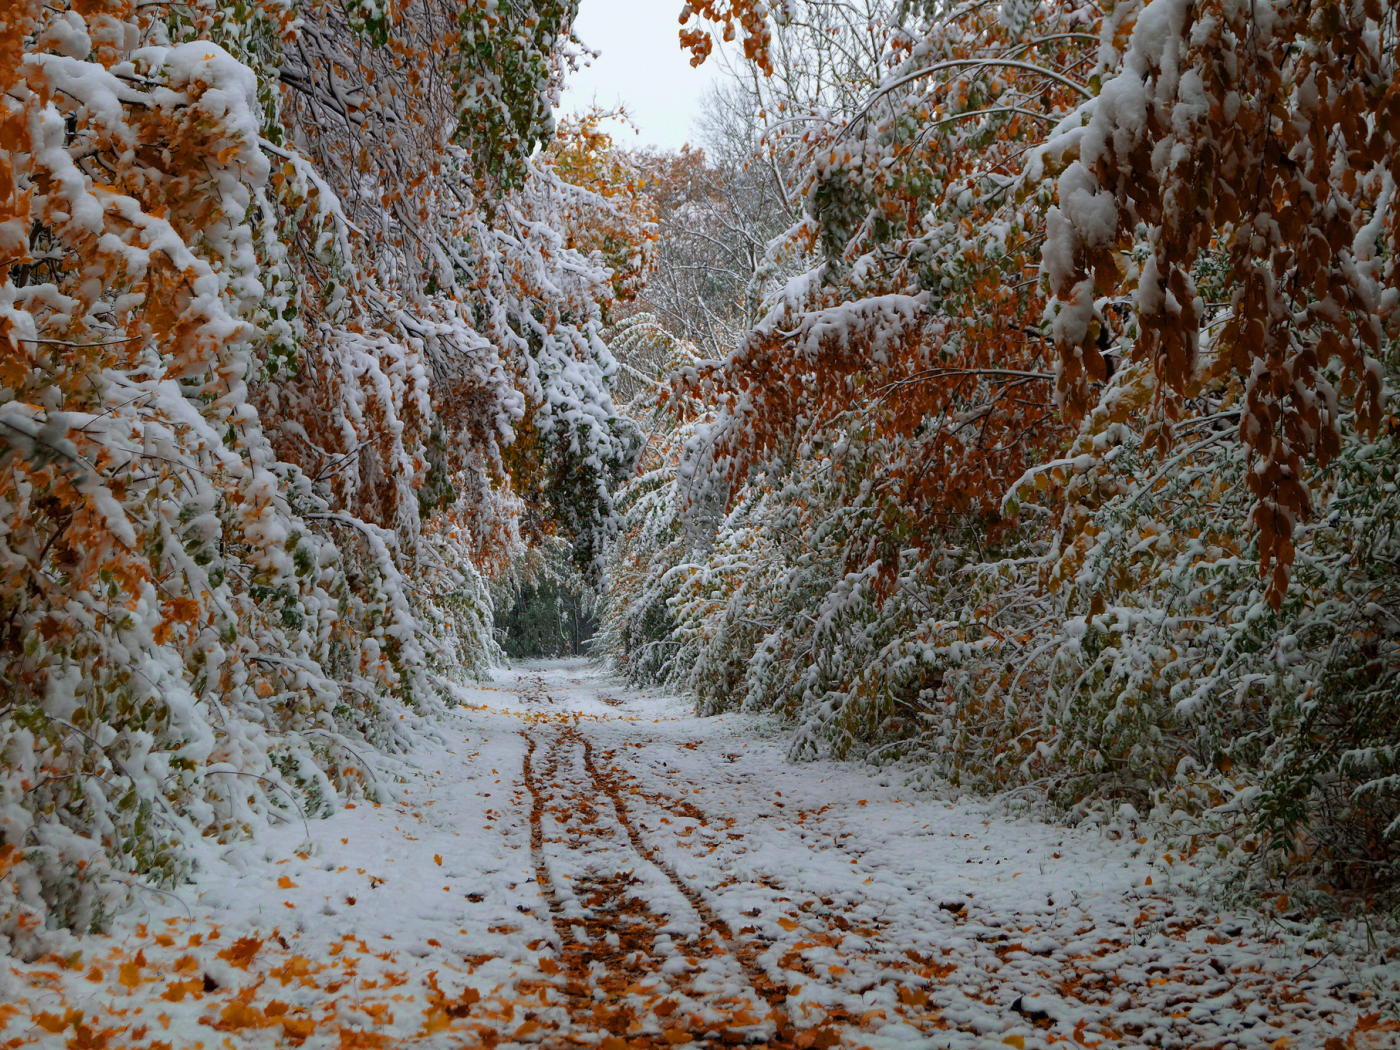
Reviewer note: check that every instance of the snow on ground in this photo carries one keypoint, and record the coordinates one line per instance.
(570, 862)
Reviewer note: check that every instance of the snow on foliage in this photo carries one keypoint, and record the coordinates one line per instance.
(279, 301)
(1069, 462)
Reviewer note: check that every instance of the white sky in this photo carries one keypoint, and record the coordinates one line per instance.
(643, 66)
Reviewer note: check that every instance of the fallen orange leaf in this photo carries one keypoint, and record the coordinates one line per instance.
(238, 1015)
(241, 952)
(298, 1028)
(129, 974)
(352, 1040)
(286, 883)
(438, 1021)
(51, 1023)
(913, 997)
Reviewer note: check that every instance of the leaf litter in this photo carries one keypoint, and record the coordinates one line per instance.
(576, 864)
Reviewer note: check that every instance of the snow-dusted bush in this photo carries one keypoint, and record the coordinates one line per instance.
(1070, 465)
(274, 307)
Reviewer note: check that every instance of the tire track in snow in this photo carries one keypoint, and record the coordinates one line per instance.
(773, 994)
(625, 962)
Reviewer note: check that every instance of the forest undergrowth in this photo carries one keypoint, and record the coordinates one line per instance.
(299, 355)
(1051, 450)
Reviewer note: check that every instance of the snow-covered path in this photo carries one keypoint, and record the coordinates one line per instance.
(575, 863)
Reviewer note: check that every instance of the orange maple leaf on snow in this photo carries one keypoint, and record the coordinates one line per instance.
(298, 1029)
(241, 952)
(239, 1015)
(129, 973)
(52, 1022)
(352, 1040)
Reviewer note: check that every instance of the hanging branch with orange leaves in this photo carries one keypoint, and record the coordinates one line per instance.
(1266, 136)
(1069, 459)
(280, 285)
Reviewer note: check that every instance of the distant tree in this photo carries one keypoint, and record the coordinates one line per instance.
(549, 619)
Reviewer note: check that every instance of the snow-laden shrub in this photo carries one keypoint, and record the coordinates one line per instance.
(1134, 658)
(1069, 466)
(262, 358)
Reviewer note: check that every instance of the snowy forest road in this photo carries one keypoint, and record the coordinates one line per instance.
(568, 862)
(613, 940)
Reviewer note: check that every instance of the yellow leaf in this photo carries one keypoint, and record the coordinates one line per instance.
(51, 1023)
(286, 883)
(179, 989)
(298, 1027)
(675, 1036)
(787, 924)
(1017, 1041)
(437, 1021)
(437, 858)
(525, 1029)
(130, 974)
